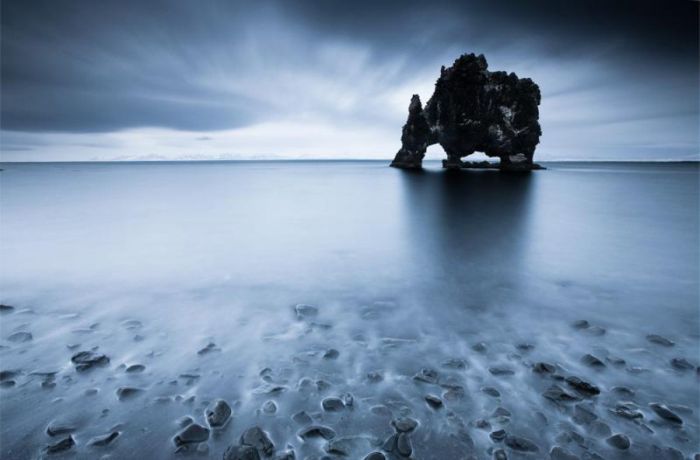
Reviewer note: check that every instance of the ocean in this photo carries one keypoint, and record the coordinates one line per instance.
(194, 279)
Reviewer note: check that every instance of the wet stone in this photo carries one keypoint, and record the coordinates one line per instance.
(521, 444)
(332, 404)
(241, 453)
(331, 354)
(623, 391)
(269, 407)
(124, 393)
(681, 364)
(404, 424)
(135, 368)
(584, 414)
(426, 375)
(454, 392)
(660, 340)
(666, 413)
(619, 441)
(59, 427)
(455, 363)
(582, 386)
(501, 371)
(61, 446)
(499, 454)
(6, 308)
(558, 394)
(390, 443)
(191, 434)
(433, 401)
(403, 445)
(104, 439)
(581, 324)
(218, 414)
(482, 424)
(627, 410)
(375, 456)
(491, 391)
(85, 360)
(592, 361)
(616, 361)
(498, 435)
(543, 368)
(479, 347)
(20, 337)
(559, 453)
(305, 311)
(8, 375)
(257, 438)
(209, 348)
(302, 418)
(317, 431)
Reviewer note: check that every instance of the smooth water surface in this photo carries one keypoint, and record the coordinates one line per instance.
(465, 274)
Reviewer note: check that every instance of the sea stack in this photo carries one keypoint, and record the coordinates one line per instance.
(474, 110)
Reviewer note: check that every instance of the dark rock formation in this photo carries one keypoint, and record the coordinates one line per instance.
(474, 110)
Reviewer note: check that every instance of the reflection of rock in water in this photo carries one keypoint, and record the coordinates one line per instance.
(393, 389)
(467, 229)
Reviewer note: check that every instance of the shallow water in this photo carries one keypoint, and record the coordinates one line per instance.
(151, 262)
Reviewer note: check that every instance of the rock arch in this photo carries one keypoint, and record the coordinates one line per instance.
(474, 110)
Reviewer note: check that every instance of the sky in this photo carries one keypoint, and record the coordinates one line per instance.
(277, 79)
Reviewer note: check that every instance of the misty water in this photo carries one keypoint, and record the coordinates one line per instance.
(454, 285)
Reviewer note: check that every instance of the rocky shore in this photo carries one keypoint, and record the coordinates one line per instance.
(320, 390)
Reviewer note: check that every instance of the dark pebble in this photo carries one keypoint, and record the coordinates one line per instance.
(241, 453)
(404, 424)
(20, 337)
(681, 364)
(666, 413)
(209, 348)
(479, 347)
(619, 441)
(543, 368)
(499, 454)
(332, 404)
(317, 431)
(558, 394)
(61, 446)
(219, 414)
(491, 391)
(627, 410)
(136, 368)
(6, 308)
(257, 438)
(191, 434)
(124, 393)
(559, 453)
(433, 401)
(104, 439)
(660, 340)
(85, 360)
(590, 360)
(305, 311)
(582, 386)
(269, 407)
(581, 324)
(498, 436)
(331, 354)
(501, 371)
(375, 456)
(427, 376)
(521, 444)
(403, 445)
(302, 418)
(455, 363)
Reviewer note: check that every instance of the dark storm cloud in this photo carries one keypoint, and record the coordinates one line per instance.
(86, 66)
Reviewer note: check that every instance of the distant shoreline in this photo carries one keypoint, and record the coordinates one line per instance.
(330, 160)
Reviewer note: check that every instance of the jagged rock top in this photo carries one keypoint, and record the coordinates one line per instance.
(474, 110)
